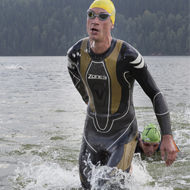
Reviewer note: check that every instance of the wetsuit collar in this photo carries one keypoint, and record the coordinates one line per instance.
(102, 56)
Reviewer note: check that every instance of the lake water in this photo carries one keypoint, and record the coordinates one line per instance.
(42, 118)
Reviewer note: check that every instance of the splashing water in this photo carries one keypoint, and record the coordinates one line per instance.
(104, 178)
(14, 67)
(42, 175)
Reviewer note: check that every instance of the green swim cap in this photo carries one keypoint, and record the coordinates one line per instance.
(151, 134)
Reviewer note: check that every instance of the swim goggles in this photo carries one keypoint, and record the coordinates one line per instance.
(148, 145)
(101, 16)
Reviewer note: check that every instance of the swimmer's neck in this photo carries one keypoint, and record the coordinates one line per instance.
(100, 46)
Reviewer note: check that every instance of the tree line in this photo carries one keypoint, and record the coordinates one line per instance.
(50, 27)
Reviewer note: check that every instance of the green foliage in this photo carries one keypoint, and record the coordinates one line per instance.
(48, 27)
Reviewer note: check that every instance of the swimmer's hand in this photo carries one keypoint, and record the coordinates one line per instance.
(167, 146)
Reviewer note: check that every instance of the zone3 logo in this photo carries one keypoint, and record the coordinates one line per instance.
(91, 76)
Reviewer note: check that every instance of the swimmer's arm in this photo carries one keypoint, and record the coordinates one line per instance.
(138, 68)
(162, 113)
(158, 100)
(77, 81)
(168, 146)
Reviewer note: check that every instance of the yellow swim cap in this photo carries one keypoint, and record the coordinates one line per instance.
(106, 5)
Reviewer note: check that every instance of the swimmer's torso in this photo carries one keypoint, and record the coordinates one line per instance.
(108, 82)
(105, 81)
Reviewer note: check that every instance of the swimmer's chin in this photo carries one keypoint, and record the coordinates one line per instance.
(149, 154)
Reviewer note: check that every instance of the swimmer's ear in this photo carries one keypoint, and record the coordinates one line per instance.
(112, 26)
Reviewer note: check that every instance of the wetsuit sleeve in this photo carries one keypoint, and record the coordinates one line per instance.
(73, 59)
(146, 81)
(138, 149)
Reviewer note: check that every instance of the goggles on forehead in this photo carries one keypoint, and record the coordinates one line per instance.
(101, 16)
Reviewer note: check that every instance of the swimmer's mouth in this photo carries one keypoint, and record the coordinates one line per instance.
(94, 30)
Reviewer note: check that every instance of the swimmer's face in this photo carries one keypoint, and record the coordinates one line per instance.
(99, 30)
(149, 148)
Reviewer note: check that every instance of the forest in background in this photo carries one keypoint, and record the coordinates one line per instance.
(51, 27)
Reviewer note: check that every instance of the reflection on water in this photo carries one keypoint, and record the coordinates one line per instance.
(42, 118)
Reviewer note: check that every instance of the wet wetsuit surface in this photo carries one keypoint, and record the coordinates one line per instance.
(105, 82)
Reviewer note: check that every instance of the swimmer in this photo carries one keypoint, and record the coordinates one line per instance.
(103, 70)
(149, 141)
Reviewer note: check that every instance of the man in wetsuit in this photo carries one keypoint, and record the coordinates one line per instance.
(104, 69)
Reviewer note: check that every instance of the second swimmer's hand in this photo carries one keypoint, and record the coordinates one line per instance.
(167, 146)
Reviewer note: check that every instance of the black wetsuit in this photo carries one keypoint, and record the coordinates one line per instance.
(105, 81)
